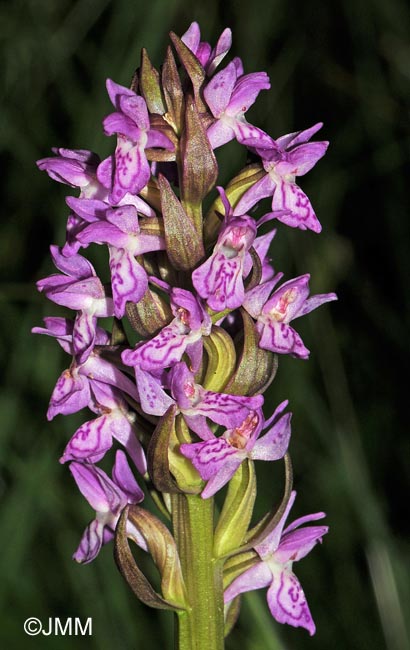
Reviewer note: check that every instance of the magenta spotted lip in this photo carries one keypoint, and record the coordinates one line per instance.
(278, 551)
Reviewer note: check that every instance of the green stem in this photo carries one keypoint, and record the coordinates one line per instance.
(201, 627)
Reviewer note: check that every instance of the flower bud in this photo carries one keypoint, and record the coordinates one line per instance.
(194, 69)
(149, 315)
(199, 166)
(183, 241)
(174, 96)
(150, 85)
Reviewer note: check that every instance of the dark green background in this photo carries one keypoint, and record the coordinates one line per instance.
(346, 63)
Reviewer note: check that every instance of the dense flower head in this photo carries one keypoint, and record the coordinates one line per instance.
(173, 344)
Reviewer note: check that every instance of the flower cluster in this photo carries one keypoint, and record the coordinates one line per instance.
(208, 314)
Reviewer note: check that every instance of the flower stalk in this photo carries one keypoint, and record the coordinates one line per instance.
(181, 391)
(201, 626)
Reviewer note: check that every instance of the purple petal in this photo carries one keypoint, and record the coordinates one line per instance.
(238, 66)
(124, 478)
(125, 218)
(94, 485)
(83, 336)
(220, 133)
(134, 107)
(59, 328)
(225, 201)
(199, 425)
(88, 209)
(141, 206)
(124, 126)
(125, 432)
(195, 353)
(105, 172)
(90, 442)
(77, 266)
(220, 50)
(262, 188)
(132, 171)
(246, 91)
(218, 91)
(129, 279)
(82, 155)
(257, 577)
(101, 232)
(315, 301)
(298, 137)
(221, 478)
(288, 300)
(220, 281)
(303, 520)
(196, 315)
(256, 299)
(271, 542)
(305, 156)
(192, 37)
(289, 196)
(262, 244)
(227, 410)
(297, 544)
(203, 53)
(91, 542)
(115, 91)
(245, 132)
(156, 139)
(274, 444)
(183, 387)
(276, 414)
(105, 372)
(287, 601)
(154, 400)
(283, 339)
(71, 394)
(162, 351)
(76, 295)
(77, 171)
(209, 457)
